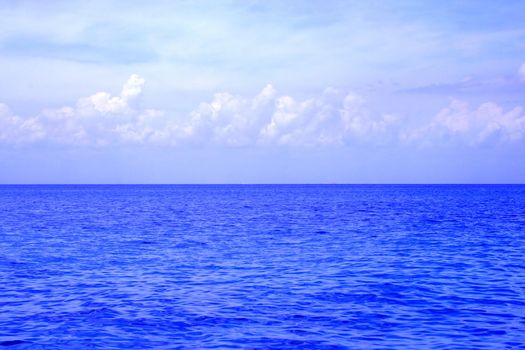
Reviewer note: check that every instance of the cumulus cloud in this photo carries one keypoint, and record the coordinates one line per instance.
(459, 121)
(104, 103)
(270, 118)
(93, 120)
(333, 117)
(14, 129)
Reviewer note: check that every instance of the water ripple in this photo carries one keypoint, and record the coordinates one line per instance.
(262, 267)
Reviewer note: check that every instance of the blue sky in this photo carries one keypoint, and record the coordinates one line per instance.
(262, 92)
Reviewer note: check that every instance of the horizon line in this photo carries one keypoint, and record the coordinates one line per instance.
(267, 184)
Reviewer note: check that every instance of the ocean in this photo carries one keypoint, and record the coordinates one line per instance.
(262, 267)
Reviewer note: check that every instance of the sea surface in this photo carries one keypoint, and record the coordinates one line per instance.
(262, 267)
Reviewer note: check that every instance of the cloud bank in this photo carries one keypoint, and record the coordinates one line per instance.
(268, 118)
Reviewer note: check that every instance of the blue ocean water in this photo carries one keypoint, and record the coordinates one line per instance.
(262, 267)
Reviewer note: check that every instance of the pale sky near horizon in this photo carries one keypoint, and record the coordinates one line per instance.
(262, 92)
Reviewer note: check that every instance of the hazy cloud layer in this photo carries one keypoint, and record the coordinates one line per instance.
(268, 118)
(241, 45)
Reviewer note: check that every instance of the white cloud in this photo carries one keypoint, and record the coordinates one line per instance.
(458, 121)
(14, 129)
(268, 118)
(231, 120)
(93, 120)
(104, 103)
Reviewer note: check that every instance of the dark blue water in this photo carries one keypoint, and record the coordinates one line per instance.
(262, 267)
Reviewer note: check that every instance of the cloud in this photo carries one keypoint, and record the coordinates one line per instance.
(93, 120)
(270, 118)
(14, 129)
(104, 103)
(267, 118)
(333, 117)
(458, 121)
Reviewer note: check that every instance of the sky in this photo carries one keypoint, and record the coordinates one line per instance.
(262, 92)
